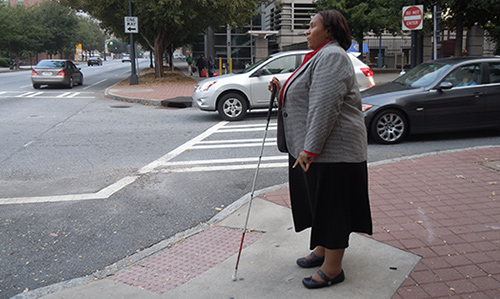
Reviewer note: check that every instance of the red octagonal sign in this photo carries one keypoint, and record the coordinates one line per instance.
(413, 17)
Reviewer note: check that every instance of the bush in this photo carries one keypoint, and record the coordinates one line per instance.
(4, 62)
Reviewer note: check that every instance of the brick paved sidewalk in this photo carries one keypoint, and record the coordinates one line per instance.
(445, 208)
(157, 95)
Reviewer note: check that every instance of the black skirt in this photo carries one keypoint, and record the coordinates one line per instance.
(331, 199)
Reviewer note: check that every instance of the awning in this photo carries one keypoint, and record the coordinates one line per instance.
(355, 48)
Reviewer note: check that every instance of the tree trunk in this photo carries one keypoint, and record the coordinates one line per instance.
(159, 48)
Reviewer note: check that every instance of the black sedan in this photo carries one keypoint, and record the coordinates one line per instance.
(94, 61)
(451, 94)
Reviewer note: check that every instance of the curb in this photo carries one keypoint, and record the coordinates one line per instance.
(130, 99)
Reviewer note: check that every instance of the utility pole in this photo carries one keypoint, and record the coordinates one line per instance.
(413, 44)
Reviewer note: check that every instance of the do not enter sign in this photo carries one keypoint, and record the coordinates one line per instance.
(413, 17)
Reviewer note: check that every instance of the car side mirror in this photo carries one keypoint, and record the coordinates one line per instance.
(445, 85)
(259, 72)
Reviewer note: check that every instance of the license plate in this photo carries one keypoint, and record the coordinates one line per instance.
(47, 73)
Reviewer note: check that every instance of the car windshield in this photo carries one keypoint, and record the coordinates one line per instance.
(423, 75)
(253, 66)
(49, 64)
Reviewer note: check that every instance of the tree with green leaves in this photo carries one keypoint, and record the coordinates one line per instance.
(365, 16)
(117, 46)
(167, 22)
(90, 34)
(11, 39)
(378, 15)
(59, 27)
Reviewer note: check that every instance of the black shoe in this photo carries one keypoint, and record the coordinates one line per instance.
(310, 283)
(315, 261)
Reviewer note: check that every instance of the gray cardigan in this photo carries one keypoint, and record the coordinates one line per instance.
(322, 109)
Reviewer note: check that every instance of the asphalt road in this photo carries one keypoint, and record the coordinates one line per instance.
(114, 178)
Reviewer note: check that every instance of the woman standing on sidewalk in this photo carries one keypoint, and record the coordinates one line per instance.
(321, 121)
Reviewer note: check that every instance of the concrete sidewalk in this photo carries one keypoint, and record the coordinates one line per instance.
(436, 235)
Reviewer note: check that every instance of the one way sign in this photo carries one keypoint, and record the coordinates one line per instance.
(131, 25)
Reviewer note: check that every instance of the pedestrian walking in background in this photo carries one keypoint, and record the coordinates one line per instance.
(321, 126)
(201, 65)
(211, 66)
(190, 64)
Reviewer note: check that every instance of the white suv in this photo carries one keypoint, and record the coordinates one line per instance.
(233, 95)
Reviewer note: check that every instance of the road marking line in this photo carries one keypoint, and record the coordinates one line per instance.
(63, 95)
(29, 143)
(250, 125)
(161, 162)
(95, 84)
(24, 94)
(174, 153)
(235, 141)
(102, 194)
(35, 94)
(244, 130)
(73, 95)
(229, 160)
(231, 145)
(224, 167)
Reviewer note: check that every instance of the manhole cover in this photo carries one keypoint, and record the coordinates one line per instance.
(120, 106)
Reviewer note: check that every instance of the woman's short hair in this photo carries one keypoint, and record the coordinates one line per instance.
(337, 27)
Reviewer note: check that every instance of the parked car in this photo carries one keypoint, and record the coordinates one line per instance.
(442, 95)
(56, 72)
(232, 95)
(94, 61)
(126, 58)
(179, 56)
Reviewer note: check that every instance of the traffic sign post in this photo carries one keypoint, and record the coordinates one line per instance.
(132, 27)
(413, 17)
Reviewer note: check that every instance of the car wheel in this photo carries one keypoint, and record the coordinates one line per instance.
(36, 86)
(389, 127)
(71, 83)
(232, 106)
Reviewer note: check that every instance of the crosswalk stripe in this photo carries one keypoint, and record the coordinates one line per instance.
(224, 167)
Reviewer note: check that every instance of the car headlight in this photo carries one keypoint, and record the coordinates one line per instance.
(366, 107)
(206, 86)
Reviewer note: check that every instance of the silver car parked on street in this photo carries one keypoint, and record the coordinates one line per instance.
(233, 95)
(56, 72)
